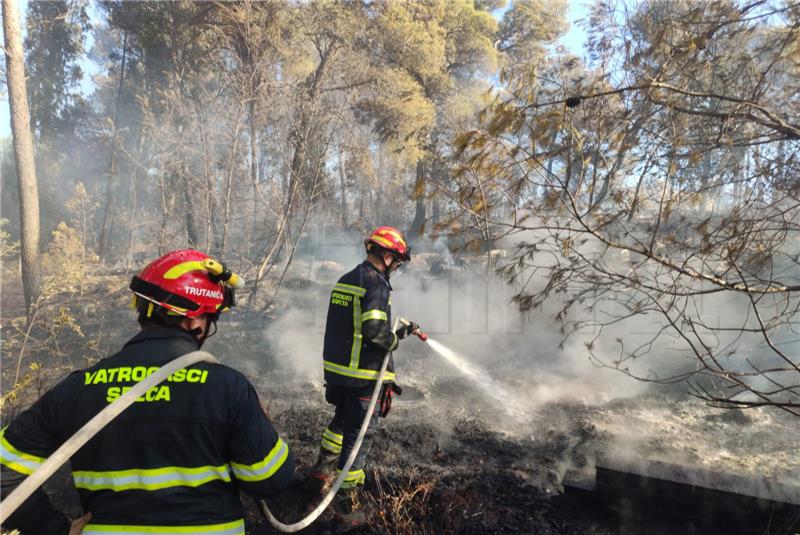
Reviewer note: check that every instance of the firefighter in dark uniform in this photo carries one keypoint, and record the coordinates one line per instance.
(358, 334)
(174, 461)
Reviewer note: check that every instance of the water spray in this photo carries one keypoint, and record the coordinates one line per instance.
(481, 378)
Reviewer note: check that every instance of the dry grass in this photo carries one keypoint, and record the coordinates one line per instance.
(400, 505)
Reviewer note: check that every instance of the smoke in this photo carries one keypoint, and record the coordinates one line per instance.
(688, 433)
(471, 313)
(465, 307)
(566, 398)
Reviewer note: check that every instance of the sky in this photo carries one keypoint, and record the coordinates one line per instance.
(573, 40)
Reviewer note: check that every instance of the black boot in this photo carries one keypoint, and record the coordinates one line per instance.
(350, 509)
(326, 461)
(321, 475)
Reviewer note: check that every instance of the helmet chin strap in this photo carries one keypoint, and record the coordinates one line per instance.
(201, 336)
(196, 333)
(209, 333)
(387, 268)
(390, 267)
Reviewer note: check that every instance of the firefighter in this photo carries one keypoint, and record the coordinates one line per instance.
(174, 461)
(358, 334)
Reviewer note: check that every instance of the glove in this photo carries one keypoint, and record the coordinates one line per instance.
(387, 393)
(405, 330)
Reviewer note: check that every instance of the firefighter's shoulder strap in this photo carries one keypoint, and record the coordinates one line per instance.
(91, 428)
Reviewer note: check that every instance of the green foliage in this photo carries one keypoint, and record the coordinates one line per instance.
(82, 207)
(68, 259)
(8, 247)
(62, 262)
(433, 51)
(56, 33)
(403, 116)
(413, 39)
(470, 31)
(528, 28)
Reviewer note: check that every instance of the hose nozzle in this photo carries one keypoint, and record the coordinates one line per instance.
(418, 332)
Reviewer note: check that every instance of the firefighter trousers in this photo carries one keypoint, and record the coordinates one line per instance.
(340, 435)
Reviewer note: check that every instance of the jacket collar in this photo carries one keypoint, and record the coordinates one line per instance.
(163, 333)
(368, 265)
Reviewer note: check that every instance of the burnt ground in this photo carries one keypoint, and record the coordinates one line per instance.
(421, 481)
(447, 459)
(437, 468)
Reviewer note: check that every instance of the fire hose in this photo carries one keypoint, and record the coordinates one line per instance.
(104, 417)
(313, 515)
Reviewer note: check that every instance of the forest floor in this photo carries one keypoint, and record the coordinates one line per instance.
(447, 459)
(437, 468)
(423, 478)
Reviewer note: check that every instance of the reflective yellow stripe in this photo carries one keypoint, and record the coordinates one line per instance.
(229, 528)
(356, 372)
(331, 446)
(395, 341)
(352, 479)
(350, 289)
(266, 467)
(19, 461)
(355, 350)
(332, 441)
(374, 315)
(394, 234)
(185, 267)
(382, 240)
(336, 438)
(150, 479)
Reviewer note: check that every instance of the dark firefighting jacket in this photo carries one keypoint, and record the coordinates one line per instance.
(358, 331)
(176, 458)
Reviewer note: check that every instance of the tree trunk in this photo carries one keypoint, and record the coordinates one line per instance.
(635, 201)
(418, 224)
(343, 190)
(23, 152)
(105, 230)
(232, 160)
(628, 141)
(162, 231)
(303, 131)
(253, 171)
(192, 234)
(133, 203)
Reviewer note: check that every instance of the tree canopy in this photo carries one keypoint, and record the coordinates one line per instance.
(650, 178)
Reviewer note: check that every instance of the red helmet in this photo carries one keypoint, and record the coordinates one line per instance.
(186, 283)
(390, 239)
